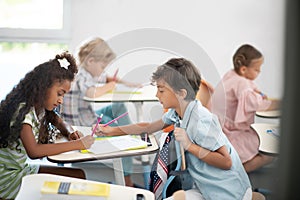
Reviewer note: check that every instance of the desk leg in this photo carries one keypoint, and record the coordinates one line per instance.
(139, 111)
(118, 171)
(145, 158)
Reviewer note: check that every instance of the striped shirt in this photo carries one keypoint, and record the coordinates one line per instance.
(13, 166)
(75, 110)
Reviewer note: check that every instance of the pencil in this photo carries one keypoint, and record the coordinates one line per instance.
(115, 75)
(98, 122)
(112, 121)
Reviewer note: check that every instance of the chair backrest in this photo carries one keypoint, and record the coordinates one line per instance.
(205, 92)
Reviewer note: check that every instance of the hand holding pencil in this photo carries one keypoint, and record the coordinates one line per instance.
(105, 129)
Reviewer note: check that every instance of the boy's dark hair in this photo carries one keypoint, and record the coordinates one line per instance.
(179, 73)
(31, 92)
(244, 55)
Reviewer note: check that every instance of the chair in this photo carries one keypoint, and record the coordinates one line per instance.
(205, 92)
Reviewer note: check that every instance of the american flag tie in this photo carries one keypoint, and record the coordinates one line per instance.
(159, 176)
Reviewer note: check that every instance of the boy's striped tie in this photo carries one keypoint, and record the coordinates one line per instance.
(159, 176)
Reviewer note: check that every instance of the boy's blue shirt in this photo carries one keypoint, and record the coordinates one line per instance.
(203, 129)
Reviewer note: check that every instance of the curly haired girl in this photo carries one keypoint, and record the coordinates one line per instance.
(29, 124)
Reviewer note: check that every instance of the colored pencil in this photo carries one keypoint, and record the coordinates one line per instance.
(112, 121)
(98, 122)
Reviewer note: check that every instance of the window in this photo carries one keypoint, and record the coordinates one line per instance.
(31, 32)
(35, 20)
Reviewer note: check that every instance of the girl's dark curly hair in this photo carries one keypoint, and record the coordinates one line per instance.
(31, 90)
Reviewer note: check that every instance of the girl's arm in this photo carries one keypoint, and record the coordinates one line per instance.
(66, 129)
(219, 158)
(35, 150)
(275, 105)
(130, 129)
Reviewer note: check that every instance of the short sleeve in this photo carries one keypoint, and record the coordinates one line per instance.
(209, 134)
(29, 118)
(83, 83)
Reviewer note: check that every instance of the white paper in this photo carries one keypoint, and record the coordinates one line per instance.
(117, 143)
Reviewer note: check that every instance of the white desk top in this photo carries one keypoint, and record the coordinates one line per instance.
(31, 186)
(77, 156)
(269, 143)
(269, 114)
(146, 93)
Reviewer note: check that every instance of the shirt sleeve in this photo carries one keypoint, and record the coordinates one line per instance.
(83, 83)
(208, 133)
(29, 118)
(248, 102)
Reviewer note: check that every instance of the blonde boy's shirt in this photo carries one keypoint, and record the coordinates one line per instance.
(75, 110)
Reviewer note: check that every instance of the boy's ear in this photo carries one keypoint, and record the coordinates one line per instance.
(183, 93)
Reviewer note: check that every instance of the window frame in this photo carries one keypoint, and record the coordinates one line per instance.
(41, 35)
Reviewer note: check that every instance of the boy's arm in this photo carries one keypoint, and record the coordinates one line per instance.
(219, 158)
(98, 91)
(132, 129)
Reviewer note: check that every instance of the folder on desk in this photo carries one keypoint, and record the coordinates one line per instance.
(74, 190)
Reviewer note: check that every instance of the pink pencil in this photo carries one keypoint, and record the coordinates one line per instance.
(115, 75)
(98, 122)
(112, 121)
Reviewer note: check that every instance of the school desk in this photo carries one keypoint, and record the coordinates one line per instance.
(268, 136)
(268, 114)
(32, 184)
(137, 96)
(77, 156)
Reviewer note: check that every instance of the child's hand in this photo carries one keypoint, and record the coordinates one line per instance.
(264, 96)
(87, 142)
(110, 85)
(182, 137)
(75, 135)
(103, 131)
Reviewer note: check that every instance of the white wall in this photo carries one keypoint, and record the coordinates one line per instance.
(218, 27)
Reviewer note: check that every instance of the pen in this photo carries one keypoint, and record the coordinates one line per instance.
(115, 75)
(273, 132)
(98, 121)
(112, 121)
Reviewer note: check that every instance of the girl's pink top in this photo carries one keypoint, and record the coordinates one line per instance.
(235, 102)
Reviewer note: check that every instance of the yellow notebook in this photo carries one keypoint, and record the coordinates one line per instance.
(75, 189)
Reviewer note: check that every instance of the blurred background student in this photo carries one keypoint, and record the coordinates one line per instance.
(235, 101)
(93, 81)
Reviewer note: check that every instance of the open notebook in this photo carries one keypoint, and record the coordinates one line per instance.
(112, 144)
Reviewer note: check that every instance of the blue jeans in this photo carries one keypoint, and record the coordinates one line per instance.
(109, 113)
